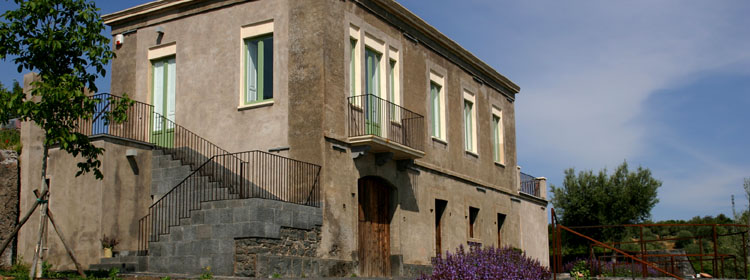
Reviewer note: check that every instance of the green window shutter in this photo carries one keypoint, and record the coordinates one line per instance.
(496, 138)
(468, 126)
(258, 69)
(251, 71)
(435, 100)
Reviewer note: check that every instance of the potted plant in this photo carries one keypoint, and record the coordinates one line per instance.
(108, 243)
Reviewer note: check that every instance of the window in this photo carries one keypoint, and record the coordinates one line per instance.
(473, 217)
(257, 64)
(498, 148)
(437, 106)
(470, 141)
(500, 222)
(259, 69)
(372, 72)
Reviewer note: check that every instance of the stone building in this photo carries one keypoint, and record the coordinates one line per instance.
(294, 137)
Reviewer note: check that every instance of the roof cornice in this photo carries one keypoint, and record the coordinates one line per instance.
(142, 10)
(439, 38)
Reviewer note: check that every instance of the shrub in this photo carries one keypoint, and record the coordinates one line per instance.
(487, 263)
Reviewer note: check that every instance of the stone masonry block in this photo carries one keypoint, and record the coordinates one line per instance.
(175, 234)
(183, 248)
(284, 217)
(241, 214)
(223, 264)
(264, 214)
(271, 230)
(188, 233)
(225, 216)
(301, 220)
(223, 231)
(212, 216)
(203, 232)
(253, 229)
(196, 217)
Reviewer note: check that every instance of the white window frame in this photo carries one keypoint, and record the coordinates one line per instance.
(498, 141)
(355, 88)
(247, 32)
(439, 80)
(470, 97)
(394, 83)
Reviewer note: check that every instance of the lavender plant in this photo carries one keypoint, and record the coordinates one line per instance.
(486, 263)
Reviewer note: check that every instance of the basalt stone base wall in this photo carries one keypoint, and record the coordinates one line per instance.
(9, 200)
(210, 236)
(290, 255)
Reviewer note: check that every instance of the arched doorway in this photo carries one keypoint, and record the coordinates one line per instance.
(374, 231)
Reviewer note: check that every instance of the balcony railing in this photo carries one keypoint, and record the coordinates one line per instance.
(370, 115)
(145, 125)
(529, 185)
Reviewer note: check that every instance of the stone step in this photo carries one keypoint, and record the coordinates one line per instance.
(123, 267)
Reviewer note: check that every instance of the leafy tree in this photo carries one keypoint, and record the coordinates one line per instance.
(586, 199)
(61, 40)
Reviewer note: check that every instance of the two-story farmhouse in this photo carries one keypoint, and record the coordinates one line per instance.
(294, 137)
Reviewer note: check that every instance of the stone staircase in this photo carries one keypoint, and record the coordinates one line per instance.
(125, 262)
(208, 237)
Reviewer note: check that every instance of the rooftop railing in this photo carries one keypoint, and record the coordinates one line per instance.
(529, 185)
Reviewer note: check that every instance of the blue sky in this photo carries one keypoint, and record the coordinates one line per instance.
(661, 84)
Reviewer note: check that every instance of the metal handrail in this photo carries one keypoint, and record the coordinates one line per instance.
(372, 115)
(252, 174)
(145, 125)
(529, 185)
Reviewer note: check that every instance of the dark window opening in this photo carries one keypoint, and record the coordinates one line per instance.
(473, 214)
(439, 210)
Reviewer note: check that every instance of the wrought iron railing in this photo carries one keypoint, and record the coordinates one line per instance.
(254, 174)
(372, 115)
(529, 185)
(145, 125)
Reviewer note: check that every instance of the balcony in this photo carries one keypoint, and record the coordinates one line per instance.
(385, 127)
(533, 186)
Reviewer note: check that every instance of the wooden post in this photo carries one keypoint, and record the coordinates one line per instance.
(43, 221)
(18, 227)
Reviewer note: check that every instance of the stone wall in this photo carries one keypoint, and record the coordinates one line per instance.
(9, 198)
(208, 237)
(292, 242)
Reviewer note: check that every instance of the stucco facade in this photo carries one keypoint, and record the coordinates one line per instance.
(318, 63)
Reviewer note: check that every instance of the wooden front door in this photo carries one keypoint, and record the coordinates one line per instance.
(374, 228)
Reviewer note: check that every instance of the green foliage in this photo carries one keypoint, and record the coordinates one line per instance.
(113, 273)
(276, 275)
(166, 278)
(10, 139)
(19, 270)
(624, 197)
(580, 271)
(207, 274)
(61, 41)
(681, 244)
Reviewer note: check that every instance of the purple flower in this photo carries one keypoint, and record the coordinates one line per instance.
(486, 263)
